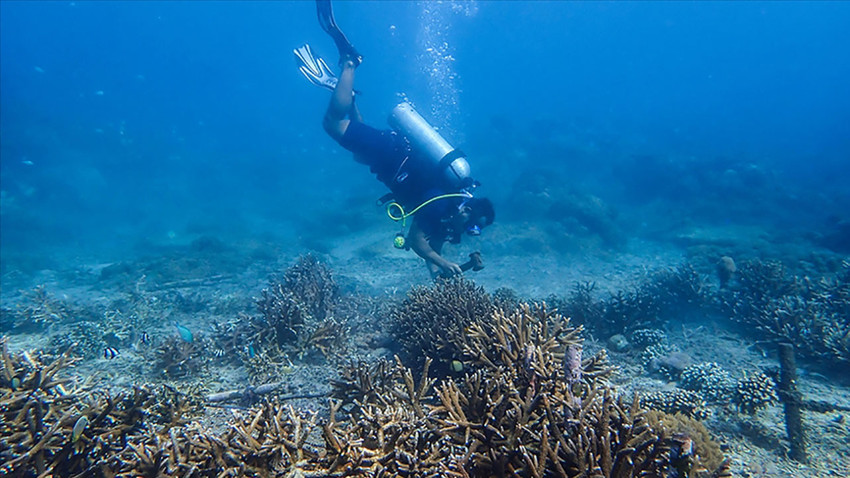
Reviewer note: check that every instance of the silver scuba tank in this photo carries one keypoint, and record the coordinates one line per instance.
(428, 143)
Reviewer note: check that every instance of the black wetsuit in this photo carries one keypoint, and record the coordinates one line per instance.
(411, 179)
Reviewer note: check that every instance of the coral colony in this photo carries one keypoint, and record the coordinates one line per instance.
(481, 385)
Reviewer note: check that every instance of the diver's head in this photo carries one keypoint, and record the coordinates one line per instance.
(474, 214)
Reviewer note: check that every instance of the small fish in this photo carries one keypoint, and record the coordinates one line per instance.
(79, 428)
(185, 333)
(457, 366)
(144, 339)
(16, 383)
(27, 162)
(251, 352)
(110, 353)
(39, 69)
(288, 368)
(218, 353)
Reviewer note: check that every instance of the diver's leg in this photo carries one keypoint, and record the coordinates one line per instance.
(342, 102)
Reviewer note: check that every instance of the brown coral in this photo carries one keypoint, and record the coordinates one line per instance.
(430, 322)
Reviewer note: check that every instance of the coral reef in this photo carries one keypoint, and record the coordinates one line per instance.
(813, 315)
(270, 440)
(705, 448)
(708, 378)
(39, 309)
(177, 358)
(53, 427)
(297, 313)
(643, 338)
(661, 295)
(681, 401)
(173, 407)
(526, 405)
(755, 392)
(431, 320)
(534, 339)
(516, 412)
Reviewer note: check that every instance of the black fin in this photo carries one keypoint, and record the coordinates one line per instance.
(324, 9)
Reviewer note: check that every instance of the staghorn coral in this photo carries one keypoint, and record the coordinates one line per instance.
(39, 309)
(755, 392)
(366, 383)
(660, 295)
(505, 298)
(297, 313)
(329, 337)
(230, 338)
(176, 358)
(53, 427)
(515, 413)
(526, 406)
(173, 407)
(268, 441)
(268, 365)
(430, 322)
(813, 315)
(533, 340)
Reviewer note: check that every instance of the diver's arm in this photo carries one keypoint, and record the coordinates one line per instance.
(423, 248)
(342, 103)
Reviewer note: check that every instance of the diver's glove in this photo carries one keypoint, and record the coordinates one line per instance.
(314, 68)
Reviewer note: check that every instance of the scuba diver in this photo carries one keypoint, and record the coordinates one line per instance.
(428, 179)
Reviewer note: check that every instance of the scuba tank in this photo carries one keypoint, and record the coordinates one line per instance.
(451, 163)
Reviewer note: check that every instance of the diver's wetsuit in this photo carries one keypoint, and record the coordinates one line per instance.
(390, 157)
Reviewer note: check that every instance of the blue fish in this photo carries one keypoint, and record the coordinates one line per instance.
(185, 333)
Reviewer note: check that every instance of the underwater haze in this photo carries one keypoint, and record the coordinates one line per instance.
(128, 125)
(186, 253)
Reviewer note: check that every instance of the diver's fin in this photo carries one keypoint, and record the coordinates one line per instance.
(328, 24)
(314, 68)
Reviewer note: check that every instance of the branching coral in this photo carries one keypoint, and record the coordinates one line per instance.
(516, 412)
(51, 426)
(177, 358)
(431, 320)
(526, 405)
(39, 309)
(664, 294)
(813, 315)
(297, 313)
(268, 441)
(533, 340)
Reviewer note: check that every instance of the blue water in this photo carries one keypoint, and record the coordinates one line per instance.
(130, 124)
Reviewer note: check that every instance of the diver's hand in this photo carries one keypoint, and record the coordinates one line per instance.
(451, 269)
